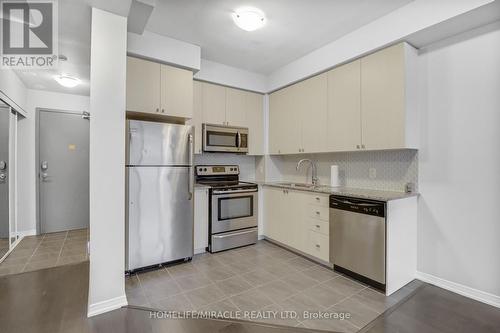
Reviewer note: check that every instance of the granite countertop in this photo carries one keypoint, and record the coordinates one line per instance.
(350, 192)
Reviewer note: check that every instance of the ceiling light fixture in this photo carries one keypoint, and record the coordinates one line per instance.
(67, 81)
(249, 19)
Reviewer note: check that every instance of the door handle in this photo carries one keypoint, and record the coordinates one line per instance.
(3, 177)
(3, 165)
(191, 171)
(44, 176)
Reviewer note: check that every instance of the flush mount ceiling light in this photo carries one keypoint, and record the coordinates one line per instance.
(249, 19)
(67, 81)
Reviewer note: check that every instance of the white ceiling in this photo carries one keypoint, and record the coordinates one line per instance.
(294, 27)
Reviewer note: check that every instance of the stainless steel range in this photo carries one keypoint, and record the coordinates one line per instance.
(233, 207)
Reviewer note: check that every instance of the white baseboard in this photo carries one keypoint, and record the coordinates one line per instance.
(106, 306)
(31, 232)
(460, 289)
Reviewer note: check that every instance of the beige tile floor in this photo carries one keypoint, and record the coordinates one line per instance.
(48, 250)
(260, 277)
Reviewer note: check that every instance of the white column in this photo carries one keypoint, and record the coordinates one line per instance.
(107, 162)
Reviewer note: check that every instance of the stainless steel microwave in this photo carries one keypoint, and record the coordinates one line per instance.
(225, 139)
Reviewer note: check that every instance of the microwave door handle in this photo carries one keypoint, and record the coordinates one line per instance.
(238, 139)
(191, 170)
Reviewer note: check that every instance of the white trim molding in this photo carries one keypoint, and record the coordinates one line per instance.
(460, 289)
(25, 233)
(107, 305)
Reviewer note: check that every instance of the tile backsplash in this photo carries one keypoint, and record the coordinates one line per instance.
(393, 168)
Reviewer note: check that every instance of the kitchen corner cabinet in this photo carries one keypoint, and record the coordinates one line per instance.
(219, 105)
(298, 219)
(200, 219)
(367, 104)
(159, 89)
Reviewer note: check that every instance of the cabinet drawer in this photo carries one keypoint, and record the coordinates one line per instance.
(319, 212)
(319, 226)
(320, 200)
(318, 245)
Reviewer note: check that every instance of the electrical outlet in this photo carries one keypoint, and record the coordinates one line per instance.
(372, 173)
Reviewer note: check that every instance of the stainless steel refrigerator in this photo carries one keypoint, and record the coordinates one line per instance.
(160, 194)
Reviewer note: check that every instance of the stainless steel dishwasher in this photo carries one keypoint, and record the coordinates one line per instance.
(357, 233)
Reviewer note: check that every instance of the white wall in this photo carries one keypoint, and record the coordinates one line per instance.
(107, 162)
(26, 149)
(393, 27)
(12, 90)
(459, 163)
(231, 76)
(164, 49)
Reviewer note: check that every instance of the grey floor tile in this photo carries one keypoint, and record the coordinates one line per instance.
(71, 259)
(360, 314)
(299, 281)
(258, 277)
(160, 291)
(203, 296)
(11, 270)
(137, 297)
(301, 263)
(375, 300)
(43, 256)
(234, 285)
(279, 270)
(224, 309)
(336, 325)
(324, 296)
(276, 315)
(67, 252)
(217, 273)
(191, 282)
(9, 262)
(132, 282)
(174, 303)
(344, 286)
(239, 267)
(154, 278)
(277, 290)
(54, 250)
(320, 273)
(21, 253)
(300, 304)
(182, 270)
(33, 266)
(251, 300)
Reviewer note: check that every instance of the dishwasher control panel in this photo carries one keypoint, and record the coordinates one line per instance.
(362, 206)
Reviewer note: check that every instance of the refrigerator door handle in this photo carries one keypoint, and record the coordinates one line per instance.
(191, 171)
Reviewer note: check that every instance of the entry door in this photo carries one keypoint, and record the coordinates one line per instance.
(63, 171)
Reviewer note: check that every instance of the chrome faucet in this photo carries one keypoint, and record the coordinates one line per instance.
(314, 173)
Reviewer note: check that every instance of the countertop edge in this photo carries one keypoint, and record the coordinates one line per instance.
(350, 192)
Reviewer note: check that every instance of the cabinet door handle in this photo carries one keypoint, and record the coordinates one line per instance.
(363, 146)
(318, 246)
(317, 213)
(317, 198)
(317, 226)
(357, 146)
(157, 110)
(162, 110)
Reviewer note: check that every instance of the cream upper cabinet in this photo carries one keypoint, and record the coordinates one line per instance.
(236, 107)
(311, 101)
(385, 98)
(176, 92)
(344, 108)
(143, 85)
(213, 104)
(159, 89)
(197, 119)
(285, 135)
(254, 104)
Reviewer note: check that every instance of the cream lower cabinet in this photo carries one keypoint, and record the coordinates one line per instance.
(200, 219)
(291, 218)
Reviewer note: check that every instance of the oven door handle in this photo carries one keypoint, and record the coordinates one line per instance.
(234, 192)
